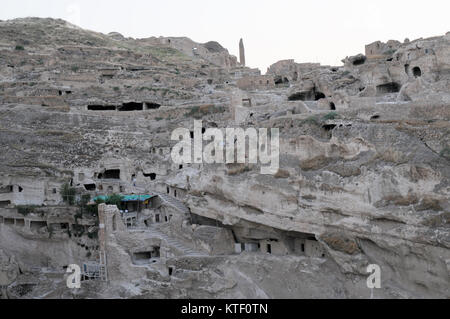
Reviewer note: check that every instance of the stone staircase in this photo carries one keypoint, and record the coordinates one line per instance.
(172, 242)
(173, 202)
(167, 199)
(177, 205)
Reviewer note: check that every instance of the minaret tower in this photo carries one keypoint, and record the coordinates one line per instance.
(242, 52)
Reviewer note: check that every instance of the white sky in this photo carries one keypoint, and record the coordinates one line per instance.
(324, 31)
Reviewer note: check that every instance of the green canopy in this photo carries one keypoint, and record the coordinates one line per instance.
(126, 198)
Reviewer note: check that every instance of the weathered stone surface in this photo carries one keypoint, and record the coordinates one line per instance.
(363, 177)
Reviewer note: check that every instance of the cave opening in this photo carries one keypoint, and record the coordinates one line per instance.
(101, 108)
(311, 95)
(110, 174)
(153, 106)
(318, 96)
(151, 175)
(332, 106)
(387, 88)
(300, 96)
(417, 72)
(6, 189)
(359, 61)
(90, 187)
(131, 106)
(281, 80)
(5, 203)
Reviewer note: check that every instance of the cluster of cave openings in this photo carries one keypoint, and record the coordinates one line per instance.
(387, 88)
(101, 107)
(110, 174)
(131, 106)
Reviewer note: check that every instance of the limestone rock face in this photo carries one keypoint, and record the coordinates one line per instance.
(363, 174)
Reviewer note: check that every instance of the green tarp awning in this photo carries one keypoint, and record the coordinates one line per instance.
(127, 198)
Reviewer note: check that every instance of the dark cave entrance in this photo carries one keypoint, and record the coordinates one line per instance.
(110, 174)
(152, 106)
(101, 108)
(90, 187)
(311, 95)
(417, 72)
(151, 175)
(387, 88)
(131, 106)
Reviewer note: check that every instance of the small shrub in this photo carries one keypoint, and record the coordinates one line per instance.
(75, 68)
(330, 116)
(19, 48)
(116, 88)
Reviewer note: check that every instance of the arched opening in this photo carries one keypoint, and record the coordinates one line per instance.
(417, 72)
(332, 106)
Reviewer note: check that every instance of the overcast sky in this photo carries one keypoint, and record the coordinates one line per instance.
(324, 31)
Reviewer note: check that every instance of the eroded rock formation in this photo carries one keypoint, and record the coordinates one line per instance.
(363, 178)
